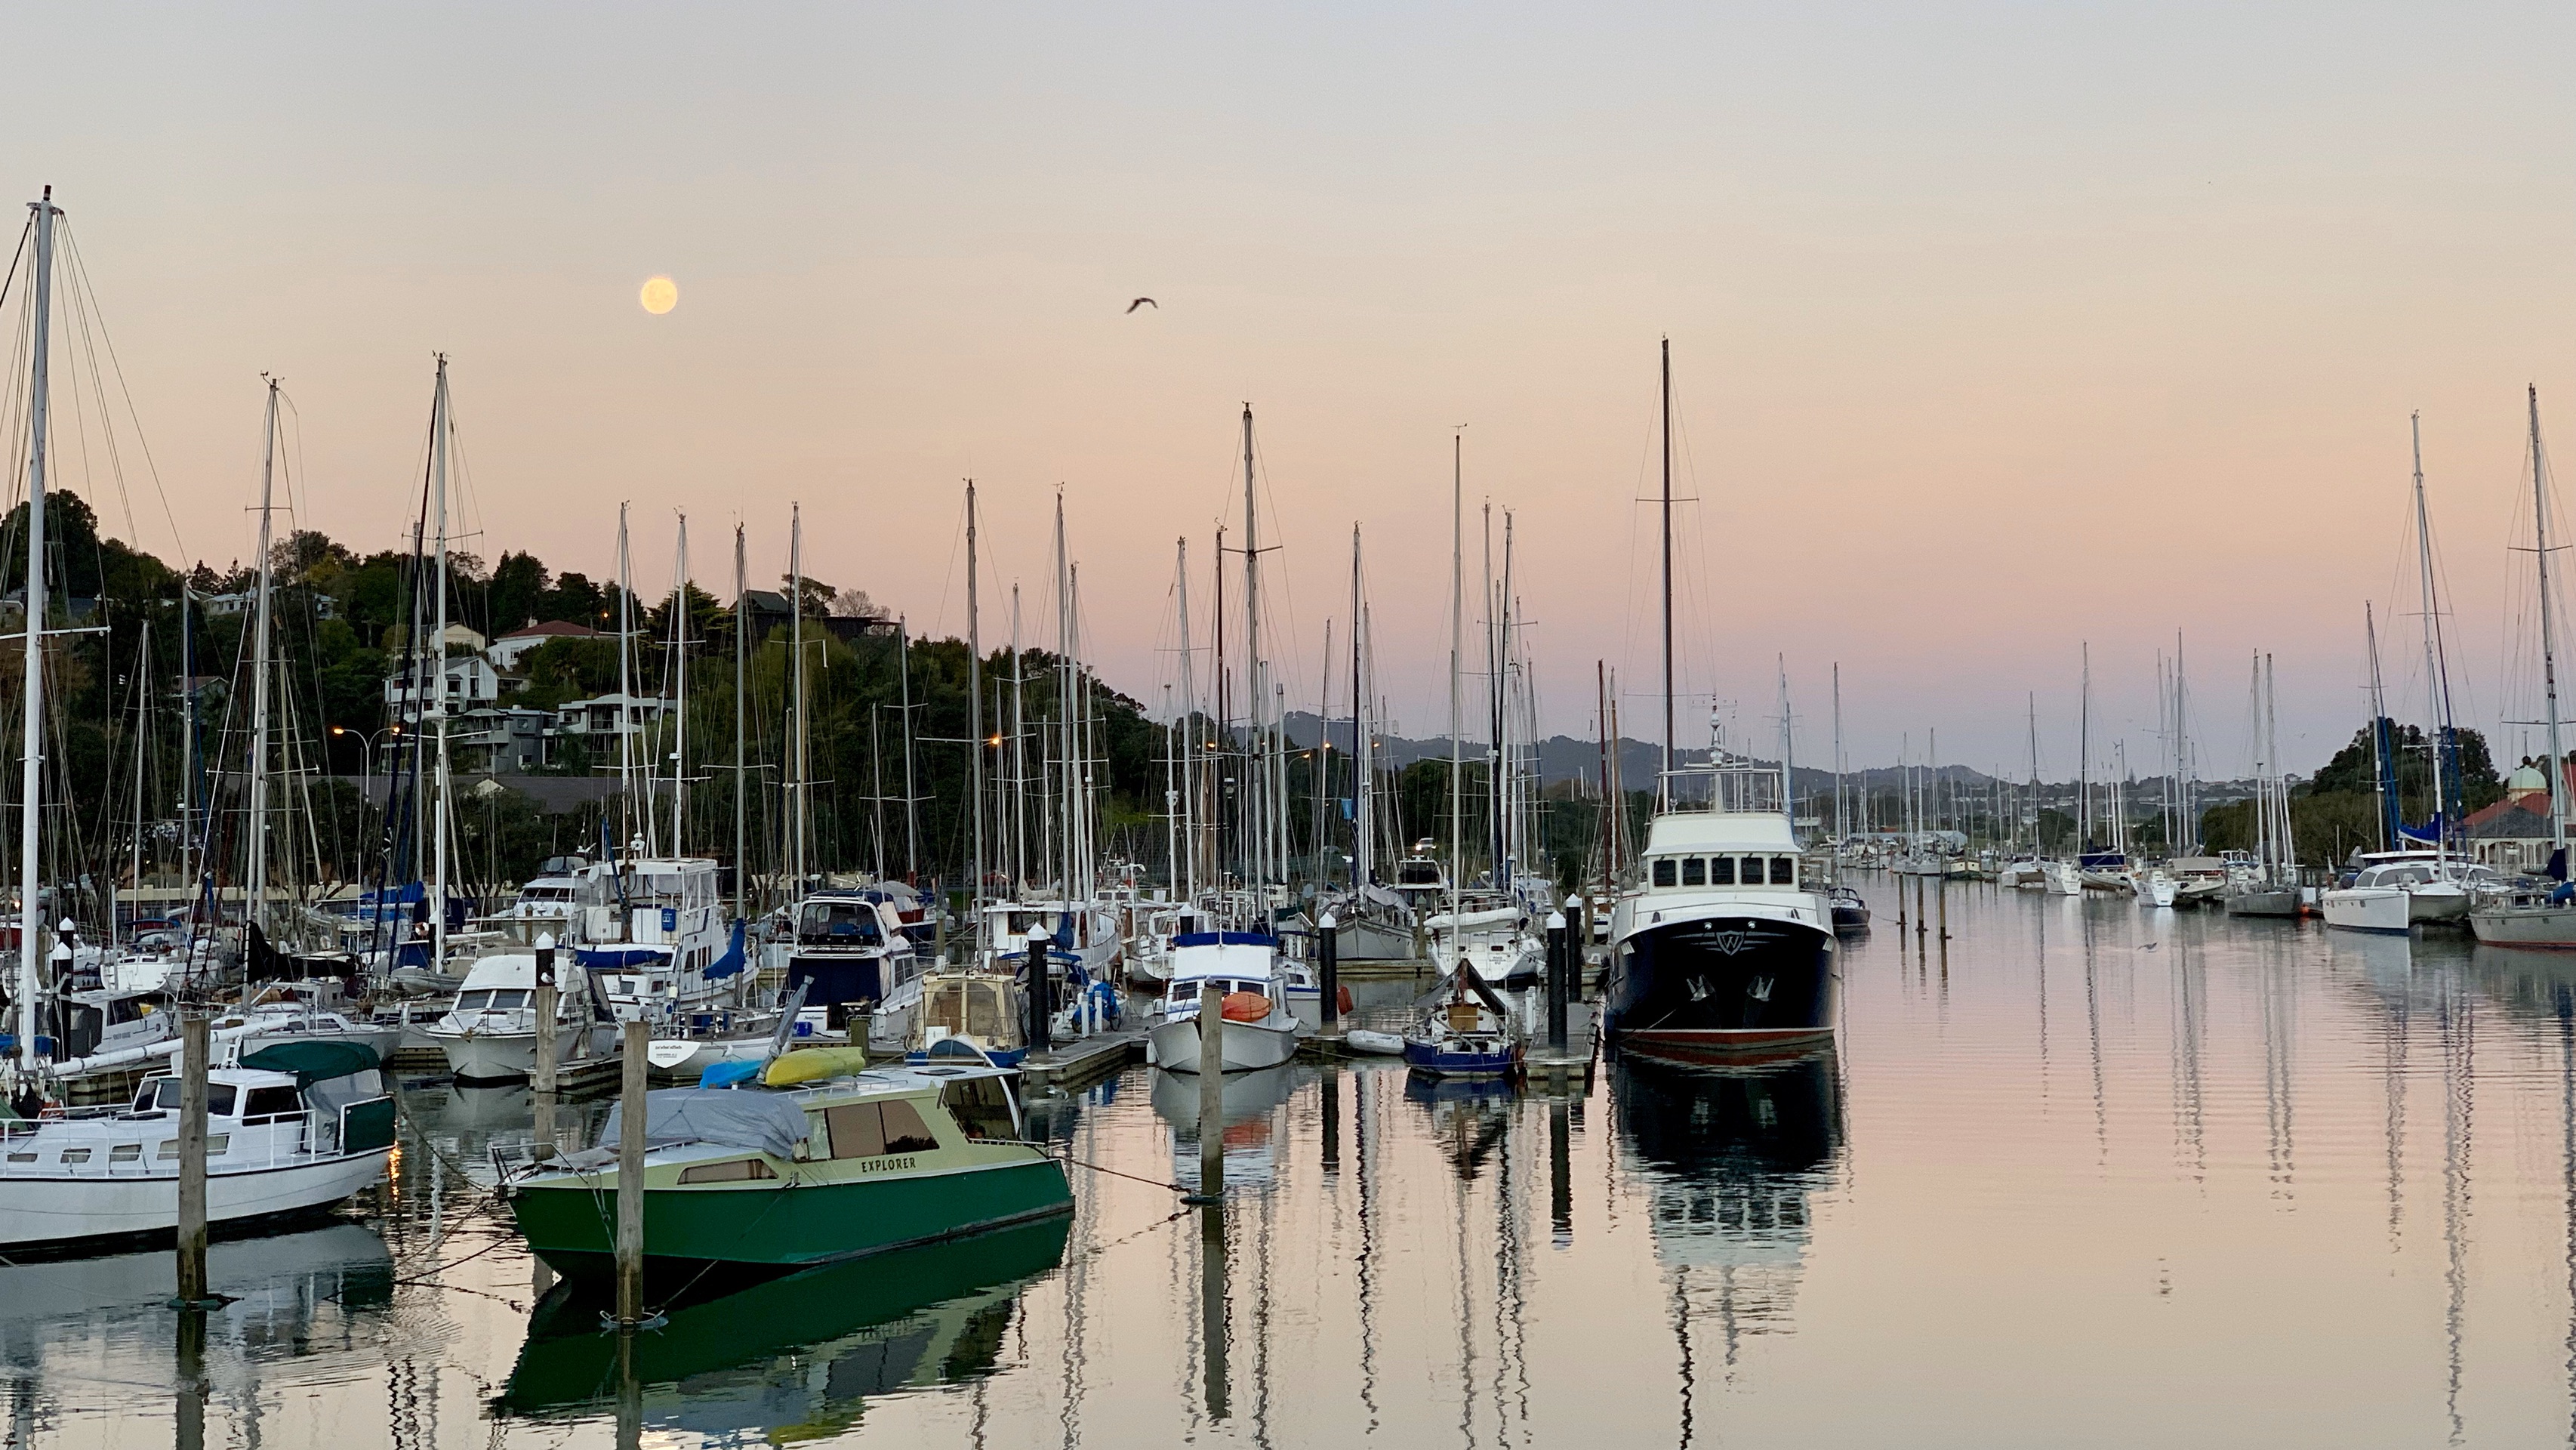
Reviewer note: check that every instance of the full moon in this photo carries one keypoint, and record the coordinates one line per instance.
(660, 295)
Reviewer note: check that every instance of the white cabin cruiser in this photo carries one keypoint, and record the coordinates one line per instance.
(1720, 946)
(1261, 1028)
(1498, 942)
(652, 934)
(490, 1035)
(859, 969)
(293, 1129)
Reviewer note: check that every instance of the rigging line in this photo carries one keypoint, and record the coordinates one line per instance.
(125, 389)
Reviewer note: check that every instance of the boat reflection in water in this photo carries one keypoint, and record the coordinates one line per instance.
(1249, 1111)
(1470, 1117)
(1731, 1159)
(794, 1358)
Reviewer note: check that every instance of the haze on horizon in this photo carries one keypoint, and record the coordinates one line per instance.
(1997, 328)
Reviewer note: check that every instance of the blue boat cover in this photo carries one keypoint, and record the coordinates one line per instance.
(729, 1119)
(1225, 939)
(610, 959)
(731, 961)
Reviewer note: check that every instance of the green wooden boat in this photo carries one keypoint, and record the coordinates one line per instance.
(757, 1181)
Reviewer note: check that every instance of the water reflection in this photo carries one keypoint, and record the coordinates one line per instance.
(793, 1359)
(1731, 1159)
(1248, 1110)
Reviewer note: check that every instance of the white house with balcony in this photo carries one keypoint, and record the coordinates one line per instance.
(600, 720)
(470, 683)
(507, 651)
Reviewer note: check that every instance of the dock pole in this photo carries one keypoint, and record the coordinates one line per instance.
(630, 1175)
(541, 1072)
(1211, 1096)
(1945, 907)
(1040, 1036)
(195, 1046)
(1328, 961)
(1921, 925)
(1560, 950)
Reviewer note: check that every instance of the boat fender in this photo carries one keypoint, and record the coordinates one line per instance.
(1342, 998)
(1245, 1007)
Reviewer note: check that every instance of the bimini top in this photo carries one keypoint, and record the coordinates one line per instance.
(1720, 831)
(1224, 939)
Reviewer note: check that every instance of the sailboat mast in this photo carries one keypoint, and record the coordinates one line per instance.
(2084, 757)
(796, 686)
(680, 693)
(32, 721)
(1019, 867)
(1457, 659)
(2437, 684)
(1662, 781)
(255, 907)
(1189, 729)
(1362, 764)
(2382, 737)
(1256, 840)
(440, 427)
(741, 780)
(1788, 753)
(1842, 825)
(911, 829)
(975, 727)
(2548, 632)
(142, 740)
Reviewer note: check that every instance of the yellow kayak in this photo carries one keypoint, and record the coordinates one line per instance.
(813, 1064)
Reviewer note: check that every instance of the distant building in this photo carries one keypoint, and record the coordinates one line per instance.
(502, 742)
(606, 717)
(506, 652)
(471, 684)
(2512, 835)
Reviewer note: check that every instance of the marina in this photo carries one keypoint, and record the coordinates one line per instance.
(1285, 728)
(2294, 1166)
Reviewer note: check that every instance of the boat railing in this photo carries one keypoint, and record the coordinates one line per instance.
(1729, 784)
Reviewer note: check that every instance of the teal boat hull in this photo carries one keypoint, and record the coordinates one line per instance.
(768, 1230)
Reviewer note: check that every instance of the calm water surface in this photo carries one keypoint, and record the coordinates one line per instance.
(2095, 1175)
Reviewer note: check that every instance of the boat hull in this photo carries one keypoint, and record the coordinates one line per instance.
(1246, 1046)
(508, 1056)
(2527, 926)
(1720, 983)
(2368, 908)
(59, 1213)
(2264, 901)
(783, 1226)
(1432, 1059)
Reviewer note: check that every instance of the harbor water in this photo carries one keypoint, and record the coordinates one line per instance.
(2083, 1174)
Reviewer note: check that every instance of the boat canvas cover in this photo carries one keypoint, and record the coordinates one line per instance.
(721, 1116)
(312, 1062)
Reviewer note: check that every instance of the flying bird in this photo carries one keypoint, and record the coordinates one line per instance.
(1144, 302)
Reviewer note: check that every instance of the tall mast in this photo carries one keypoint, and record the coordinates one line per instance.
(1457, 652)
(1662, 781)
(2382, 738)
(680, 693)
(1788, 753)
(31, 785)
(625, 691)
(1321, 760)
(1256, 841)
(441, 425)
(911, 826)
(142, 739)
(256, 877)
(742, 781)
(2437, 684)
(1363, 824)
(2548, 631)
(2188, 829)
(975, 727)
(1019, 869)
(1188, 867)
(1068, 744)
(2084, 758)
(1842, 825)
(1494, 714)
(796, 740)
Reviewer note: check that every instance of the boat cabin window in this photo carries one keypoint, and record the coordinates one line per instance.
(873, 1130)
(1419, 873)
(1694, 871)
(1721, 871)
(268, 1104)
(164, 1095)
(1784, 870)
(970, 1008)
(741, 1170)
(473, 1001)
(1664, 871)
(844, 923)
(981, 1106)
(125, 1153)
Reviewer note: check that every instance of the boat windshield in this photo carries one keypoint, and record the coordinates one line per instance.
(163, 1094)
(839, 923)
(982, 1107)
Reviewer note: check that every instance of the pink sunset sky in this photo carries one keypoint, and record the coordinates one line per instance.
(1998, 328)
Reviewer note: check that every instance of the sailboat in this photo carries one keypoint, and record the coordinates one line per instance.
(2546, 916)
(2406, 886)
(2274, 888)
(1718, 945)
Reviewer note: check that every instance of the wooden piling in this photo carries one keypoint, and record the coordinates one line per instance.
(541, 1073)
(1560, 952)
(195, 1047)
(630, 1176)
(1328, 963)
(1211, 1094)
